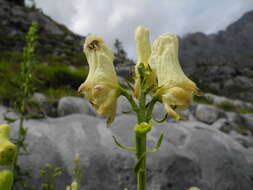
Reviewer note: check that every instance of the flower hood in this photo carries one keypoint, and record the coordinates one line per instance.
(175, 88)
(101, 87)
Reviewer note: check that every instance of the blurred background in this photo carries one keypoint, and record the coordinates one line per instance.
(216, 51)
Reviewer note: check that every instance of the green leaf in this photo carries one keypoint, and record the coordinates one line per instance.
(137, 166)
(122, 146)
(129, 85)
(163, 119)
(127, 111)
(159, 142)
(9, 119)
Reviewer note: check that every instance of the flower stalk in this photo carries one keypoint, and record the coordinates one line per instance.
(157, 74)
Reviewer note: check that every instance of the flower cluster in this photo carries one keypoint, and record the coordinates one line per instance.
(162, 71)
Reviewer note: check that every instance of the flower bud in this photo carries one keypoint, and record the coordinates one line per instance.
(7, 149)
(142, 128)
(101, 87)
(6, 179)
(143, 53)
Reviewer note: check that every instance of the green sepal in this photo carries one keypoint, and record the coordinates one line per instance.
(129, 85)
(142, 128)
(163, 119)
(123, 146)
(149, 89)
(137, 166)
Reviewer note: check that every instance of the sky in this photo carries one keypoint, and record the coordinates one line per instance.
(113, 19)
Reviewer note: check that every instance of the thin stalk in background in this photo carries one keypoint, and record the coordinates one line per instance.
(26, 90)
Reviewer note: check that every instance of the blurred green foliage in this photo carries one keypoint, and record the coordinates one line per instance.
(49, 175)
(51, 77)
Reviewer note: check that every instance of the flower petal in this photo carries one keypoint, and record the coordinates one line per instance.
(176, 89)
(101, 87)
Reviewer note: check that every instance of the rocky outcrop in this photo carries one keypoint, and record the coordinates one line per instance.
(222, 62)
(54, 39)
(70, 105)
(213, 149)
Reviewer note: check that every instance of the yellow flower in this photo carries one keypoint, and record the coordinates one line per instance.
(175, 88)
(7, 149)
(101, 87)
(6, 179)
(143, 53)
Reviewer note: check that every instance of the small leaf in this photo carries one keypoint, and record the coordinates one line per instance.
(129, 85)
(9, 119)
(137, 166)
(159, 142)
(127, 111)
(123, 146)
(163, 119)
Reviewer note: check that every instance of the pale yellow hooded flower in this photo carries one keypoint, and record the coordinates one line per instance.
(101, 87)
(175, 88)
(143, 48)
(6, 179)
(7, 149)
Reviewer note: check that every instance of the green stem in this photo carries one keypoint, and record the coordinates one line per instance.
(151, 107)
(141, 142)
(130, 99)
(141, 149)
(21, 123)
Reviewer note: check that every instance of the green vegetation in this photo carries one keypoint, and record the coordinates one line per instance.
(120, 54)
(25, 91)
(245, 111)
(76, 174)
(51, 77)
(225, 130)
(245, 129)
(22, 74)
(226, 106)
(49, 174)
(202, 100)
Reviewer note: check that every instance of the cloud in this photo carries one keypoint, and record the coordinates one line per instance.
(113, 19)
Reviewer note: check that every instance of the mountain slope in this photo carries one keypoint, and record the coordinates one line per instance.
(54, 39)
(222, 62)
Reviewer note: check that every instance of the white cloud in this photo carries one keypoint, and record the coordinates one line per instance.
(113, 19)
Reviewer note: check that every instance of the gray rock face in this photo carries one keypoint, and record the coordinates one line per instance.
(212, 60)
(70, 105)
(192, 154)
(218, 100)
(54, 39)
(207, 114)
(39, 98)
(42, 104)
(123, 105)
(248, 121)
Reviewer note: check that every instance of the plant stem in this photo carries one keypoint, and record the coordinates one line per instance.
(141, 142)
(141, 149)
